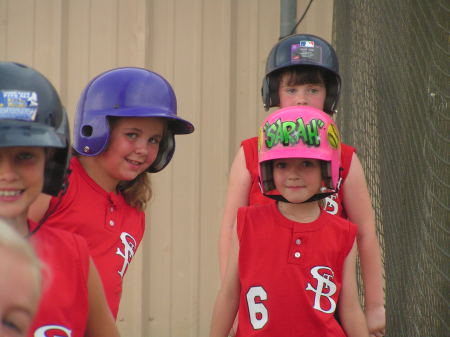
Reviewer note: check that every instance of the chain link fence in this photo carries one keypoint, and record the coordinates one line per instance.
(394, 58)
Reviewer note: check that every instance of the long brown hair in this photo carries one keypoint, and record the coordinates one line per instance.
(137, 192)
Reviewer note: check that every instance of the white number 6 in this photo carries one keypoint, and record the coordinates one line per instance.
(254, 308)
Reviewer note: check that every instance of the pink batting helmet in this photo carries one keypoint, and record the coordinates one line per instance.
(299, 132)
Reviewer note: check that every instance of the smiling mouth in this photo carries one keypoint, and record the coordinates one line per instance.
(134, 162)
(10, 193)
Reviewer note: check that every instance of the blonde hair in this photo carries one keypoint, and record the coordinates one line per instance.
(11, 240)
(137, 192)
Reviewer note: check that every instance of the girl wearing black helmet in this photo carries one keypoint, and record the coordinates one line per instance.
(125, 126)
(34, 146)
(303, 69)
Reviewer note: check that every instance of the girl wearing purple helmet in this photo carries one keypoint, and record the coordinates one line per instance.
(124, 128)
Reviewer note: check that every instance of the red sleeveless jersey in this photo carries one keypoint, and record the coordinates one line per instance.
(112, 229)
(290, 273)
(333, 203)
(63, 308)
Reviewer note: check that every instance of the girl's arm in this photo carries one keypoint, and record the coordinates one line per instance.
(227, 301)
(359, 209)
(350, 312)
(237, 196)
(100, 321)
(39, 207)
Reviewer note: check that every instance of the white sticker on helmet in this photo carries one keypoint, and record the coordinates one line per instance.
(20, 105)
(306, 51)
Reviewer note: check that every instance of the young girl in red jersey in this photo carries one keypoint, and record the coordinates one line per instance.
(20, 282)
(34, 145)
(125, 124)
(303, 70)
(292, 264)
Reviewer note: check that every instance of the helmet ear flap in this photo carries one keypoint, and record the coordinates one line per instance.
(56, 165)
(326, 174)
(266, 176)
(165, 153)
(265, 93)
(55, 172)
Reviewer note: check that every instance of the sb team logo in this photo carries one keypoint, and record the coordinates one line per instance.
(53, 331)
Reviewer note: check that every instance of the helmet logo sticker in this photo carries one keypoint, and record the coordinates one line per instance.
(20, 105)
(333, 136)
(290, 132)
(306, 51)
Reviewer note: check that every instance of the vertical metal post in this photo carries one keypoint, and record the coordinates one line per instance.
(288, 16)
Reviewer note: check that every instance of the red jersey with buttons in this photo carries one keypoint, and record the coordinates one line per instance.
(290, 273)
(333, 203)
(112, 229)
(63, 308)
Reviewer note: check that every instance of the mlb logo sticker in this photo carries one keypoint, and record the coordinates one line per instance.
(308, 44)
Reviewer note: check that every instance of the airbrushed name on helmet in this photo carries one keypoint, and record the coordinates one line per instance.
(290, 133)
(21, 105)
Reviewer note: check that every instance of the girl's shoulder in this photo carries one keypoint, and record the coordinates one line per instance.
(341, 229)
(60, 240)
(249, 142)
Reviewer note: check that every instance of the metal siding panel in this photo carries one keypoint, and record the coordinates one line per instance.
(20, 33)
(160, 244)
(186, 50)
(214, 148)
(48, 37)
(3, 28)
(131, 41)
(103, 35)
(319, 19)
(78, 32)
(245, 81)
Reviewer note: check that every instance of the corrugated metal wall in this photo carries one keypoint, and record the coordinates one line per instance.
(213, 53)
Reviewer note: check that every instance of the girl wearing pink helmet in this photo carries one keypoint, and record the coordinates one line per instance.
(125, 126)
(302, 69)
(292, 264)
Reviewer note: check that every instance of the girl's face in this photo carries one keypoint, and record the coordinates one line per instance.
(21, 179)
(297, 179)
(19, 294)
(311, 94)
(133, 146)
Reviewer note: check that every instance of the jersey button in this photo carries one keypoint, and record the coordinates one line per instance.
(298, 242)
(111, 223)
(297, 255)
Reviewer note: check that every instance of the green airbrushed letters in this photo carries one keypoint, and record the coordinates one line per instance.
(290, 132)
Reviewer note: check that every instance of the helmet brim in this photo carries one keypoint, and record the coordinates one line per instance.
(18, 133)
(176, 124)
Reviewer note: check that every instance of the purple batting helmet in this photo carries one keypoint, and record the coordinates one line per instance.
(127, 92)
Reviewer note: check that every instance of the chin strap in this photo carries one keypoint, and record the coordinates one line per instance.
(315, 197)
(324, 192)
